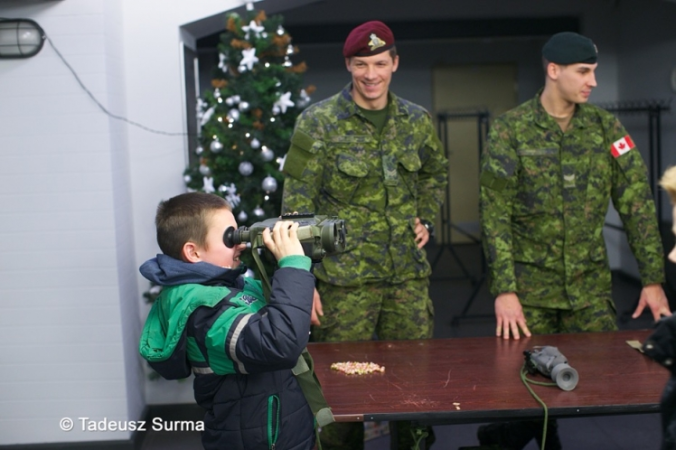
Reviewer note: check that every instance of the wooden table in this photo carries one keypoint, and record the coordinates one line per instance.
(424, 379)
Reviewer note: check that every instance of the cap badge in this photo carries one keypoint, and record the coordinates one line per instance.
(375, 42)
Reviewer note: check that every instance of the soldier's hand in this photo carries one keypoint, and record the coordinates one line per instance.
(509, 315)
(283, 241)
(317, 309)
(653, 296)
(422, 236)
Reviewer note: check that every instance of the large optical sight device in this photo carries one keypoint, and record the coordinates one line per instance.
(319, 235)
(550, 362)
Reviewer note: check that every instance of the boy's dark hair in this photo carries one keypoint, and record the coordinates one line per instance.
(184, 218)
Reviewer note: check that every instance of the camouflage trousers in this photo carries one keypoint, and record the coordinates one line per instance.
(600, 316)
(382, 310)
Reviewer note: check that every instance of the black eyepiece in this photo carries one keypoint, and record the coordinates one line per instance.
(229, 237)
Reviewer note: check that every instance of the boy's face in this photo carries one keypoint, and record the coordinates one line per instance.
(216, 252)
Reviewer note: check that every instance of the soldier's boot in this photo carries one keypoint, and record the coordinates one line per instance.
(507, 435)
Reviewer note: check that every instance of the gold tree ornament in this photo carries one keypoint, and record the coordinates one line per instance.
(219, 83)
(239, 43)
(298, 68)
(282, 42)
(231, 25)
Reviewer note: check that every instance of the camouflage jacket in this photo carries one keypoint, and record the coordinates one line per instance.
(544, 198)
(338, 166)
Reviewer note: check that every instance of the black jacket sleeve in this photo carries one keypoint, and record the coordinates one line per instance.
(274, 338)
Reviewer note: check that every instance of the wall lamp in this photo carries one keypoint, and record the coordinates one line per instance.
(20, 38)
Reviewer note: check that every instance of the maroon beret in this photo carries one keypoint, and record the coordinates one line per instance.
(368, 39)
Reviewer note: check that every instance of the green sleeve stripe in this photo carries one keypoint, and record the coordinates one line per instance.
(194, 353)
(255, 286)
(216, 342)
(296, 261)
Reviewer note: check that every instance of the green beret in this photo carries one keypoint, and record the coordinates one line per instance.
(569, 48)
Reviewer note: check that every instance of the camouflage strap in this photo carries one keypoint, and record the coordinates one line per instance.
(526, 381)
(309, 384)
(304, 369)
(419, 434)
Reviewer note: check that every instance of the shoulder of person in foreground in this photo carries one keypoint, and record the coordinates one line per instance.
(661, 344)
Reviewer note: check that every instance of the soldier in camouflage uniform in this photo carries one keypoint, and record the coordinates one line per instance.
(549, 170)
(374, 160)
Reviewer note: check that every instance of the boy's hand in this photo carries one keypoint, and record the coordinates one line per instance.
(283, 241)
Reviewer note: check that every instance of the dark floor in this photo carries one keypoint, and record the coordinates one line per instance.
(450, 291)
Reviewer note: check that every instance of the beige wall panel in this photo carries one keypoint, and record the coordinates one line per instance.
(458, 88)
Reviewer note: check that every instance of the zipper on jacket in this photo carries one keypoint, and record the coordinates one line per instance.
(273, 421)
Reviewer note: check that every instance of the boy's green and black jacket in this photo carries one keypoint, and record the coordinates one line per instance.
(216, 324)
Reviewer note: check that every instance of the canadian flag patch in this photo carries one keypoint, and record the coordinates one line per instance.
(622, 146)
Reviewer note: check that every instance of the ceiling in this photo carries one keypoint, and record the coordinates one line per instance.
(329, 21)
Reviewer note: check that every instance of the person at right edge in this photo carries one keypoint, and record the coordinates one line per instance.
(661, 344)
(548, 172)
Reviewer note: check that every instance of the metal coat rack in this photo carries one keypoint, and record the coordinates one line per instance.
(482, 121)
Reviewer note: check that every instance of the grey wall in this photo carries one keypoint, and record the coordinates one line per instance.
(647, 39)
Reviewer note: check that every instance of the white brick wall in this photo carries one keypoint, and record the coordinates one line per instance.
(78, 192)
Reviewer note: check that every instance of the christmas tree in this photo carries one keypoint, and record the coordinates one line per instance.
(246, 122)
(248, 118)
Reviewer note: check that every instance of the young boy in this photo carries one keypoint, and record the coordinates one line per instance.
(211, 321)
